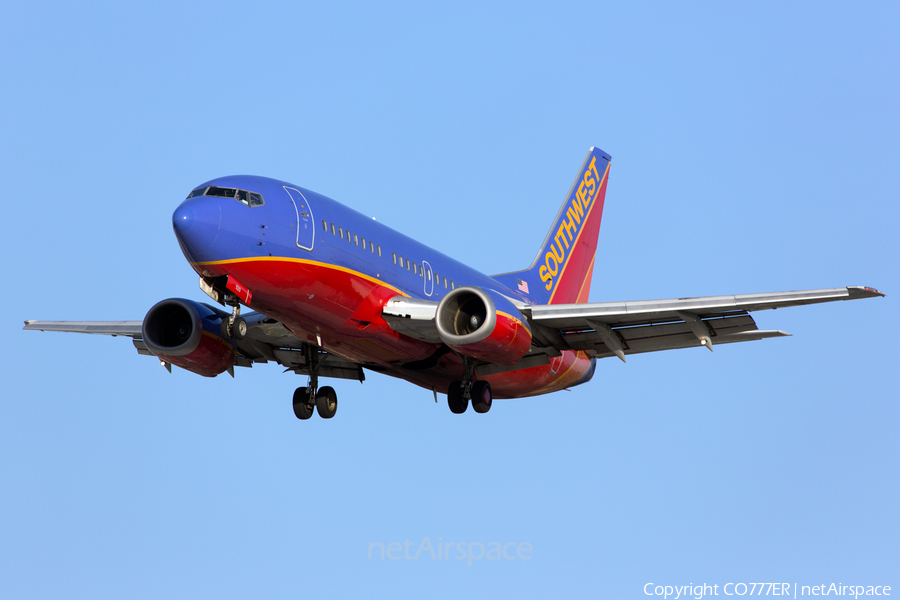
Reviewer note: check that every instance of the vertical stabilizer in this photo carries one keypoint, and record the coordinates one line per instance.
(561, 273)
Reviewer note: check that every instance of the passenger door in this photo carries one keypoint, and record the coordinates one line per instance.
(306, 231)
(429, 278)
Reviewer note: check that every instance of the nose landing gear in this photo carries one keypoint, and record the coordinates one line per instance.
(234, 326)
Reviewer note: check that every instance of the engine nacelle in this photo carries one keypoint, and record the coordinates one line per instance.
(468, 320)
(187, 334)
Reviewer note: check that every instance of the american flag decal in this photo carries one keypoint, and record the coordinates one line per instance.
(523, 285)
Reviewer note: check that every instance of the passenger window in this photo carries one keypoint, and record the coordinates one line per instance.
(349, 238)
(379, 252)
(428, 275)
(325, 225)
(356, 239)
(371, 246)
(422, 272)
(416, 268)
(363, 240)
(407, 264)
(340, 232)
(401, 260)
(445, 283)
(394, 257)
(332, 229)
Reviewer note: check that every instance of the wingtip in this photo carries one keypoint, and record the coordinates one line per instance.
(861, 291)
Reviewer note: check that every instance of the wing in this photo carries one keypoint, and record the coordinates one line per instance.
(266, 340)
(131, 329)
(619, 328)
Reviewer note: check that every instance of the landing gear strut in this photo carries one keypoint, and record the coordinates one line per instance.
(324, 400)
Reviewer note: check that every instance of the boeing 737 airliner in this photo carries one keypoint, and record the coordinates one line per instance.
(333, 293)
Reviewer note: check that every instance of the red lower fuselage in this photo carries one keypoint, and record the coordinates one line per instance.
(341, 310)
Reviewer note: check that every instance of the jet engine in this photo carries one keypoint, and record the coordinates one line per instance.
(187, 334)
(468, 320)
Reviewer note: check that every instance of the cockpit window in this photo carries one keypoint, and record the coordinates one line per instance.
(243, 196)
(223, 192)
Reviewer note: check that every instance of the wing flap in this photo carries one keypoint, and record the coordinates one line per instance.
(329, 365)
(630, 336)
(685, 340)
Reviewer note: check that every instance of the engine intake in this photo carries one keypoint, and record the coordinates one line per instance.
(186, 334)
(468, 321)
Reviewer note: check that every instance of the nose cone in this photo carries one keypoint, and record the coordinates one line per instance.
(182, 219)
(197, 222)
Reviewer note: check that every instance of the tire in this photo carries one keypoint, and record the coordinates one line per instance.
(326, 402)
(240, 328)
(481, 396)
(455, 400)
(302, 408)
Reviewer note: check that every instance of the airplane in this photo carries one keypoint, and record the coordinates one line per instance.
(333, 293)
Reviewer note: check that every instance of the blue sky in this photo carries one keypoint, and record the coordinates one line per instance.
(755, 149)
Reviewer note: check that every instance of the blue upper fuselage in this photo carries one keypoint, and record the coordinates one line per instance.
(242, 216)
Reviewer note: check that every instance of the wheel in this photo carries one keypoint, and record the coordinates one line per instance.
(302, 408)
(455, 400)
(326, 402)
(239, 328)
(481, 396)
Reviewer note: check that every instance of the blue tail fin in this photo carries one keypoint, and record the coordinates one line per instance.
(561, 272)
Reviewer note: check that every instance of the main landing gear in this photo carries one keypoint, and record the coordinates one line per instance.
(460, 392)
(479, 393)
(307, 398)
(324, 399)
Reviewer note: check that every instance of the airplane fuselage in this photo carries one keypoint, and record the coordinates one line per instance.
(326, 272)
